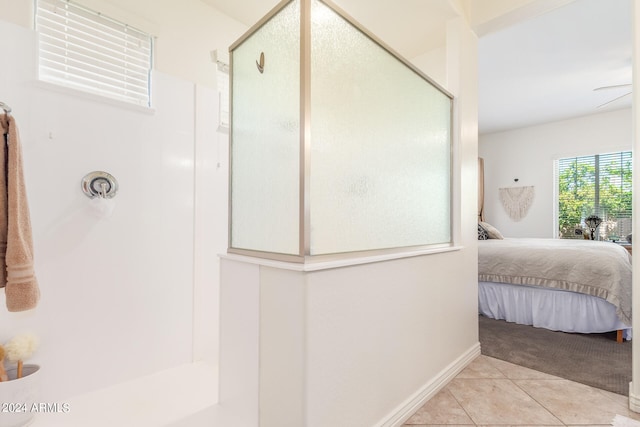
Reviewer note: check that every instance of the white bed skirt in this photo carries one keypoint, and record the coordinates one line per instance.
(548, 308)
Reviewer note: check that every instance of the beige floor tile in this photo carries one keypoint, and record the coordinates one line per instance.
(499, 401)
(440, 409)
(618, 398)
(574, 403)
(481, 367)
(516, 372)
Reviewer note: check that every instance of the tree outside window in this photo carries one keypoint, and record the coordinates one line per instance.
(595, 185)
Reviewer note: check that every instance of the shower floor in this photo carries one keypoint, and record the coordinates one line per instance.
(167, 398)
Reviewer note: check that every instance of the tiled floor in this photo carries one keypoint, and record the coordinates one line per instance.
(491, 392)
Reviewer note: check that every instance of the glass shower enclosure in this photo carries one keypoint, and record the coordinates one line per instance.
(339, 146)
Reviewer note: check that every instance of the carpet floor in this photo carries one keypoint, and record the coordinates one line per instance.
(593, 359)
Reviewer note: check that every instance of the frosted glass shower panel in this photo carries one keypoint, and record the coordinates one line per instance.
(353, 155)
(380, 145)
(265, 178)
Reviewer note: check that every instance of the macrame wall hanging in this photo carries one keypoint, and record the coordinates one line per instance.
(516, 201)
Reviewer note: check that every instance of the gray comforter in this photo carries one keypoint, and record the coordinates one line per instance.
(601, 269)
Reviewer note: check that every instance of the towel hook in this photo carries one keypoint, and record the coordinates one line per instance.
(99, 184)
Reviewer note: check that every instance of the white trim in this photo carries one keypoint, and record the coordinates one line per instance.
(338, 263)
(634, 400)
(556, 199)
(405, 410)
(66, 90)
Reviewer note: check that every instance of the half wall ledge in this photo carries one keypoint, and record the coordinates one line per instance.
(338, 263)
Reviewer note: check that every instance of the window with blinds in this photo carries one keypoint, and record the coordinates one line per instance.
(598, 185)
(86, 50)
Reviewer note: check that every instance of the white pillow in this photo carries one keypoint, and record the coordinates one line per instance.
(491, 231)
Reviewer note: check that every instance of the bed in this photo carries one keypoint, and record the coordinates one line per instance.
(565, 285)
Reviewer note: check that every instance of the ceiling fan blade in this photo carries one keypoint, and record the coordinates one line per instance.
(614, 99)
(612, 87)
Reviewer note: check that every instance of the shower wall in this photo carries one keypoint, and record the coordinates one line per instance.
(120, 293)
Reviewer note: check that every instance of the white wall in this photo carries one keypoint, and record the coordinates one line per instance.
(528, 155)
(433, 64)
(351, 346)
(378, 331)
(120, 294)
(359, 345)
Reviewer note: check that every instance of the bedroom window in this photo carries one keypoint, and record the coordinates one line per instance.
(599, 185)
(88, 51)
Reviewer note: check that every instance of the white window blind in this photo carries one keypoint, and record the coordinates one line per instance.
(598, 185)
(85, 50)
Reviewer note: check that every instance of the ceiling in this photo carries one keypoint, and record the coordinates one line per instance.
(538, 70)
(415, 28)
(545, 69)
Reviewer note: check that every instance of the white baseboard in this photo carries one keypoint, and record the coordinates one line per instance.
(634, 399)
(405, 410)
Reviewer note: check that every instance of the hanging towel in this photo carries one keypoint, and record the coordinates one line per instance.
(16, 244)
